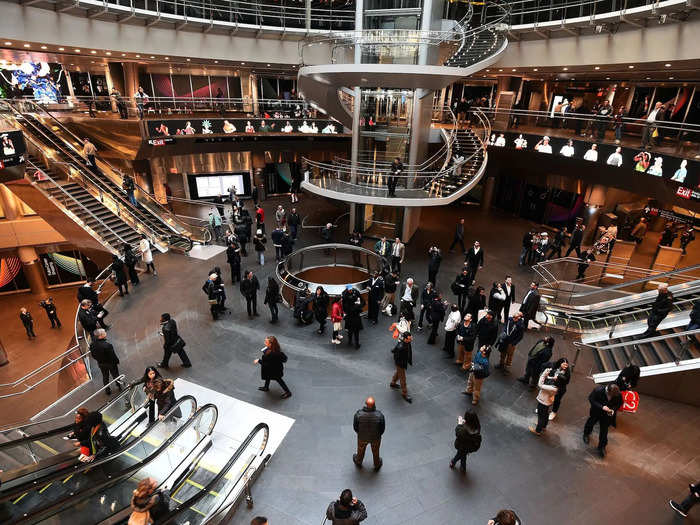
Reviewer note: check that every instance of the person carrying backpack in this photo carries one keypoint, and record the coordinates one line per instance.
(468, 438)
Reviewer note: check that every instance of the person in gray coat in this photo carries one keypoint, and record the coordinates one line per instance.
(347, 510)
(369, 424)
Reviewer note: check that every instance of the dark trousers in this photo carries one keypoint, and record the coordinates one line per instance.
(689, 502)
(462, 301)
(531, 371)
(557, 401)
(354, 332)
(29, 327)
(573, 247)
(293, 231)
(321, 324)
(653, 322)
(123, 288)
(281, 383)
(373, 309)
(168, 352)
(450, 342)
(150, 267)
(362, 447)
(552, 250)
(433, 333)
(278, 253)
(235, 273)
(432, 276)
(54, 320)
(459, 241)
(391, 184)
(251, 304)
(471, 274)
(133, 275)
(423, 309)
(272, 305)
(604, 421)
(106, 370)
(542, 417)
(396, 263)
(460, 456)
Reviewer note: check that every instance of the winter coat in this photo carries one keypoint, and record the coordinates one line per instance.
(487, 331)
(539, 354)
(466, 335)
(466, 439)
(233, 256)
(437, 310)
(352, 516)
(250, 287)
(480, 366)
(165, 398)
(276, 237)
(376, 288)
(259, 242)
(547, 391)
(103, 353)
(320, 306)
(272, 292)
(369, 424)
(119, 273)
(497, 299)
(87, 319)
(272, 365)
(461, 284)
(403, 354)
(337, 312)
(476, 302)
(170, 335)
(85, 292)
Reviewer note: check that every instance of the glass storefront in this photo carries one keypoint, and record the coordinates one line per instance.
(12, 277)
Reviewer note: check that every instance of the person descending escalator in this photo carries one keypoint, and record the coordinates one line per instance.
(148, 503)
(91, 435)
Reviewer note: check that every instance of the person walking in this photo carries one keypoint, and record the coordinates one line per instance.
(259, 218)
(660, 308)
(119, 275)
(87, 317)
(319, 306)
(460, 287)
(172, 342)
(249, 289)
(130, 261)
(474, 259)
(453, 320)
(436, 315)
(215, 225)
(467, 439)
(272, 297)
(403, 356)
(369, 424)
(576, 240)
(459, 237)
(530, 304)
(426, 298)
(272, 366)
(526, 250)
(395, 171)
(509, 289)
(397, 254)
(27, 322)
(50, 308)
(213, 287)
(513, 331)
(277, 237)
(259, 242)
(557, 243)
(466, 336)
(383, 248)
(586, 259)
(147, 255)
(539, 354)
(375, 296)
(280, 216)
(548, 388)
(480, 369)
(107, 361)
(391, 284)
(434, 260)
(89, 151)
(294, 221)
(683, 508)
(353, 310)
(337, 319)
(346, 510)
(233, 258)
(605, 400)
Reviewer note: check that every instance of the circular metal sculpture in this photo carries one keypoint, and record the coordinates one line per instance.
(333, 266)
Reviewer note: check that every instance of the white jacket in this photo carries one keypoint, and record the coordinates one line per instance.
(453, 321)
(547, 392)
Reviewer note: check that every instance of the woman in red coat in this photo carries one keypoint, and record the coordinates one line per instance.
(337, 318)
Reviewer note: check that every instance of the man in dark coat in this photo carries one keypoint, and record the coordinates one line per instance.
(376, 294)
(346, 510)
(526, 249)
(87, 317)
(576, 239)
(117, 268)
(50, 307)
(530, 304)
(437, 315)
(276, 237)
(353, 321)
(294, 220)
(369, 424)
(487, 329)
(233, 258)
(426, 299)
(513, 331)
(660, 308)
(172, 342)
(474, 259)
(103, 352)
(86, 292)
(403, 356)
(605, 400)
(435, 258)
(241, 231)
(459, 237)
(249, 289)
(461, 289)
(509, 289)
(539, 354)
(586, 259)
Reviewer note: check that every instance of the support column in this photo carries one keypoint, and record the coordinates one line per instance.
(10, 203)
(356, 114)
(131, 80)
(487, 197)
(32, 269)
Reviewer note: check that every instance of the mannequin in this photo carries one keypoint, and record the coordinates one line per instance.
(501, 140)
(592, 154)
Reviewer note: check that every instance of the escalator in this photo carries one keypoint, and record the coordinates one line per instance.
(40, 451)
(171, 461)
(31, 498)
(63, 149)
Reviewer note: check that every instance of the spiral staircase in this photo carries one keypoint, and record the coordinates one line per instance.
(424, 61)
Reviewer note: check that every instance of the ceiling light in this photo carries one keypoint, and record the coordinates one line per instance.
(607, 78)
(268, 65)
(512, 69)
(26, 45)
(648, 78)
(8, 43)
(631, 67)
(533, 69)
(108, 53)
(93, 52)
(167, 58)
(61, 48)
(138, 56)
(188, 59)
(123, 54)
(597, 68)
(243, 63)
(216, 61)
(566, 69)
(43, 47)
(670, 78)
(77, 50)
(152, 56)
(667, 65)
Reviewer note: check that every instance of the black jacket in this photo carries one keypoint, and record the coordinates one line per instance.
(662, 305)
(293, 219)
(539, 354)
(353, 311)
(434, 262)
(103, 352)
(85, 292)
(476, 302)
(487, 331)
(466, 335)
(272, 365)
(250, 287)
(320, 306)
(170, 335)
(233, 257)
(259, 243)
(369, 424)
(26, 318)
(276, 237)
(119, 273)
(426, 297)
(461, 284)
(272, 292)
(531, 304)
(437, 310)
(474, 260)
(351, 516)
(467, 440)
(403, 354)
(376, 288)
(598, 398)
(88, 319)
(628, 377)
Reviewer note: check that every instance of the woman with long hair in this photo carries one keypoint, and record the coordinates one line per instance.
(160, 392)
(148, 504)
(467, 438)
(271, 294)
(272, 366)
(320, 308)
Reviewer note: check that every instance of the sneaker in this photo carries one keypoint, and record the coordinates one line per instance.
(552, 415)
(534, 431)
(677, 507)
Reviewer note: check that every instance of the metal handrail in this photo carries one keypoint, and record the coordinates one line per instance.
(629, 312)
(119, 379)
(673, 335)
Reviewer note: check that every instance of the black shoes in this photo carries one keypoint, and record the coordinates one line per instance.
(393, 385)
(408, 398)
(601, 452)
(163, 365)
(377, 467)
(263, 389)
(524, 380)
(678, 508)
(286, 395)
(188, 365)
(108, 391)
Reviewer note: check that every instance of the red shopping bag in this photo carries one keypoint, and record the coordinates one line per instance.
(630, 401)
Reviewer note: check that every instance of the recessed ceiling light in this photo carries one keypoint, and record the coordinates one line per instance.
(648, 78)
(108, 53)
(123, 54)
(188, 59)
(533, 69)
(167, 58)
(93, 52)
(670, 78)
(26, 45)
(243, 63)
(43, 47)
(138, 56)
(566, 69)
(607, 78)
(667, 65)
(488, 70)
(77, 50)
(597, 68)
(268, 65)
(152, 56)
(512, 69)
(631, 67)
(216, 61)
(8, 43)
(61, 48)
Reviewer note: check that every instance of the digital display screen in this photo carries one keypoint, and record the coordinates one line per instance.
(213, 185)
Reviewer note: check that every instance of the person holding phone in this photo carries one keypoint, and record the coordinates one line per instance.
(605, 400)
(467, 438)
(346, 510)
(272, 366)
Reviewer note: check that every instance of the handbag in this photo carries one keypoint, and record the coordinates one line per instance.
(630, 401)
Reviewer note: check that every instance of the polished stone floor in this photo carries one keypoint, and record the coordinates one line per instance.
(551, 480)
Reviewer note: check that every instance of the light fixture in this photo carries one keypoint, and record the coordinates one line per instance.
(533, 69)
(108, 53)
(216, 61)
(500, 70)
(93, 52)
(512, 69)
(188, 59)
(26, 45)
(566, 69)
(648, 78)
(138, 56)
(167, 58)
(123, 54)
(631, 67)
(43, 47)
(152, 56)
(667, 65)
(670, 78)
(77, 50)
(268, 65)
(607, 78)
(243, 63)
(597, 68)
(8, 43)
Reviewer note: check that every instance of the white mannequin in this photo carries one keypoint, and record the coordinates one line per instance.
(501, 140)
(520, 142)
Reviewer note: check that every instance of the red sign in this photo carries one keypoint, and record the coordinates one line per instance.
(630, 401)
(684, 192)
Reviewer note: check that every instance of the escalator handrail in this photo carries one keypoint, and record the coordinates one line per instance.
(71, 499)
(662, 337)
(181, 507)
(76, 469)
(59, 430)
(151, 200)
(647, 305)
